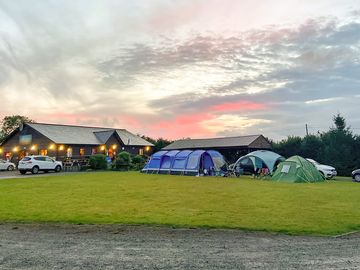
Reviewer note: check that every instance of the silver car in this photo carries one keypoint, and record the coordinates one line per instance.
(6, 165)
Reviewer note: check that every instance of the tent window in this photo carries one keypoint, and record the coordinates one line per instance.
(179, 164)
(193, 162)
(166, 163)
(246, 162)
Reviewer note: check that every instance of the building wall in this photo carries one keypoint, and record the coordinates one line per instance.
(38, 142)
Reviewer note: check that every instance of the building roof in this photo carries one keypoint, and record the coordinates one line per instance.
(239, 141)
(65, 134)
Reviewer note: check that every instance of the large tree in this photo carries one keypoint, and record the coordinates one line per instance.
(339, 146)
(10, 123)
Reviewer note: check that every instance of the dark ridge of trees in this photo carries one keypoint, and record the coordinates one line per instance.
(338, 147)
(158, 143)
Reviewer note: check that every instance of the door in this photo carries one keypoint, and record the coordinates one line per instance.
(50, 163)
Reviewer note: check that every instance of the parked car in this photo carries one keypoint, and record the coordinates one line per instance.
(356, 175)
(6, 165)
(35, 164)
(328, 171)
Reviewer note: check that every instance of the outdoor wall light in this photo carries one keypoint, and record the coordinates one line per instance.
(61, 147)
(147, 148)
(1, 150)
(51, 147)
(114, 146)
(102, 148)
(15, 149)
(33, 147)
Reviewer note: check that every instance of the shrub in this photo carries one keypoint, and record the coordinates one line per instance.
(138, 162)
(98, 162)
(123, 161)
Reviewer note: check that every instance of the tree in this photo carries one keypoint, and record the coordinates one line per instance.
(311, 147)
(158, 143)
(289, 147)
(339, 144)
(123, 161)
(10, 123)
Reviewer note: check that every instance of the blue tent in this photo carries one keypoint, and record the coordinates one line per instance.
(186, 162)
(167, 161)
(258, 160)
(153, 166)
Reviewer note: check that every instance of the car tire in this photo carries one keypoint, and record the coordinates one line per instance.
(10, 168)
(35, 170)
(323, 175)
(357, 177)
(57, 168)
(22, 172)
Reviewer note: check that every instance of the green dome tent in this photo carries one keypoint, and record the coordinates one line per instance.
(297, 170)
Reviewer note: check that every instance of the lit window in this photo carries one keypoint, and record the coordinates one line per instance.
(43, 152)
(141, 152)
(69, 152)
(82, 151)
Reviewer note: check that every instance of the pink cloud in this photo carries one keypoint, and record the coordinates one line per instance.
(238, 106)
(183, 126)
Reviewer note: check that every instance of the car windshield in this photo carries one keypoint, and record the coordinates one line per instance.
(313, 161)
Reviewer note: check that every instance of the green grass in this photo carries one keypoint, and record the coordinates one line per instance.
(132, 198)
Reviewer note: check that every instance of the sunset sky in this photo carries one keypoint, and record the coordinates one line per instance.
(186, 68)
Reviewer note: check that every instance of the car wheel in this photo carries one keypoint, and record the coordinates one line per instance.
(22, 172)
(10, 168)
(357, 177)
(322, 174)
(57, 168)
(35, 170)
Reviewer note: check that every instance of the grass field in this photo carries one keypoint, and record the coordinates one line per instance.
(133, 198)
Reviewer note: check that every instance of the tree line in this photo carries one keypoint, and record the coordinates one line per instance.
(337, 147)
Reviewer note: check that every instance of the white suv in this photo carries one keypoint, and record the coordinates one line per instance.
(328, 171)
(35, 164)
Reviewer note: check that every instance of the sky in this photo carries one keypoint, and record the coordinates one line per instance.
(185, 68)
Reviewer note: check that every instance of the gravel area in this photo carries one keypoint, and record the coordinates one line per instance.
(141, 247)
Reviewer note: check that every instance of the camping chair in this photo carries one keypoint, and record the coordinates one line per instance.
(234, 171)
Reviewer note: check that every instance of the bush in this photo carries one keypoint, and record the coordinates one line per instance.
(138, 162)
(123, 161)
(98, 162)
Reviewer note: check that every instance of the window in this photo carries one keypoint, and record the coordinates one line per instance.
(43, 152)
(82, 151)
(141, 152)
(69, 152)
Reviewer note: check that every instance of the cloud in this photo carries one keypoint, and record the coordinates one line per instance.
(96, 63)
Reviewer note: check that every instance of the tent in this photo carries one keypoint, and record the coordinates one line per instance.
(297, 170)
(167, 160)
(258, 160)
(153, 166)
(186, 162)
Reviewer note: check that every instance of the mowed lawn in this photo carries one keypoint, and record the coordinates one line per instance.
(133, 198)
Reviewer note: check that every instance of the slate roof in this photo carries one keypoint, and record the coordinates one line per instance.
(239, 141)
(64, 134)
